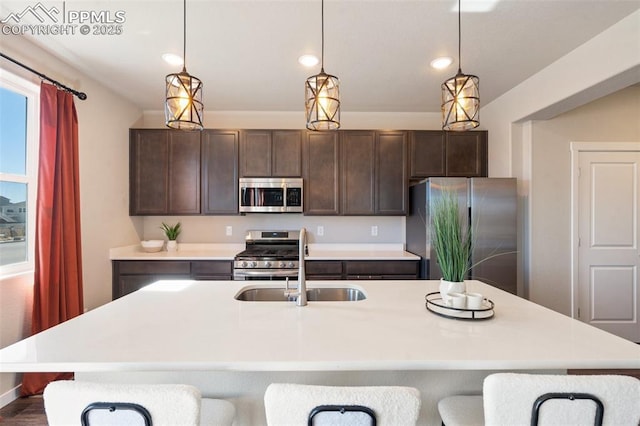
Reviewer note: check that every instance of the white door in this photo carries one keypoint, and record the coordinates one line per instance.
(608, 253)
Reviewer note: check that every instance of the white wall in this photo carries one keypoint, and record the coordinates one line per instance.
(341, 229)
(603, 65)
(104, 120)
(614, 118)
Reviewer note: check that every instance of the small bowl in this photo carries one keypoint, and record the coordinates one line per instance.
(152, 246)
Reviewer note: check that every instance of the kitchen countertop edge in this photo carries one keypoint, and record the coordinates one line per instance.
(227, 251)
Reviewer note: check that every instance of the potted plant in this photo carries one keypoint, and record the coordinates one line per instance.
(172, 233)
(453, 242)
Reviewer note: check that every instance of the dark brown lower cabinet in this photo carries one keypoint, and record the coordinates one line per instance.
(362, 269)
(324, 270)
(131, 275)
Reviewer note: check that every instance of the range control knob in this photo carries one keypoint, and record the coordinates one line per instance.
(244, 263)
(267, 264)
(291, 265)
(282, 265)
(253, 264)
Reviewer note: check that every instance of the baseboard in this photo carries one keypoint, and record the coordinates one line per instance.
(9, 396)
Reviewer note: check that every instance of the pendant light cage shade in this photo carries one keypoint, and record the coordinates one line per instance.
(322, 102)
(461, 102)
(183, 105)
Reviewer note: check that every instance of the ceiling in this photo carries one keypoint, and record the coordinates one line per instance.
(245, 52)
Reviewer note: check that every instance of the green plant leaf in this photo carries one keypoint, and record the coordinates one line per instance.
(452, 238)
(171, 232)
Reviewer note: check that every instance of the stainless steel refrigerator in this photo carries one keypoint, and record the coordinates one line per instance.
(490, 204)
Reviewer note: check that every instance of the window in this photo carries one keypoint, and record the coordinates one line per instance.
(19, 101)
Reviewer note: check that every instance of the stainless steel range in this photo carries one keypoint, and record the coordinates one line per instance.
(268, 255)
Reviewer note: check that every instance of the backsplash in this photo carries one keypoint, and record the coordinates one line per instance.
(342, 229)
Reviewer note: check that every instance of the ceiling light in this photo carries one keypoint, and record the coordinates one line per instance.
(308, 60)
(460, 97)
(183, 108)
(441, 63)
(322, 96)
(172, 59)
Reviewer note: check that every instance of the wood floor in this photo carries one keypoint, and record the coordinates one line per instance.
(30, 411)
(24, 412)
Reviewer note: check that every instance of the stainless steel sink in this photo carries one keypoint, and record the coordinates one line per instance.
(316, 294)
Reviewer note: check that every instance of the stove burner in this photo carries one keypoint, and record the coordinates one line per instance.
(268, 254)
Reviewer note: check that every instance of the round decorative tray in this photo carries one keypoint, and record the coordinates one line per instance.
(436, 305)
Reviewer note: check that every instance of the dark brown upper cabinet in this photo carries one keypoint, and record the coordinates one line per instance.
(374, 176)
(467, 154)
(358, 172)
(321, 171)
(271, 153)
(164, 172)
(436, 153)
(427, 154)
(391, 190)
(220, 172)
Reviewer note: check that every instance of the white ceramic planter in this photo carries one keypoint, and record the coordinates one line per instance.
(447, 287)
(172, 245)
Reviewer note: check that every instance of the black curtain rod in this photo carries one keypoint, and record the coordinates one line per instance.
(81, 95)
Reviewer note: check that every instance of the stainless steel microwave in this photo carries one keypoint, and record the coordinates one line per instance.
(271, 195)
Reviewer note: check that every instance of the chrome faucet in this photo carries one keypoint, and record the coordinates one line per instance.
(302, 280)
(301, 292)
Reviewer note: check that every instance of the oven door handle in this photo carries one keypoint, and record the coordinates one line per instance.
(266, 273)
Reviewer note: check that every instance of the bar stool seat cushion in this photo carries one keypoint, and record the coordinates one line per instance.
(462, 410)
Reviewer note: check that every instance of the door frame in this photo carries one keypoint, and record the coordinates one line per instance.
(576, 148)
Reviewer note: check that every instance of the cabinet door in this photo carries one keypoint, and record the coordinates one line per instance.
(255, 153)
(219, 172)
(358, 172)
(391, 173)
(286, 153)
(466, 154)
(321, 169)
(132, 275)
(427, 154)
(212, 269)
(148, 172)
(383, 268)
(164, 172)
(184, 172)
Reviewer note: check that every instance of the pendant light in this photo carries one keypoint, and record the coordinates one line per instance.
(322, 96)
(183, 108)
(460, 97)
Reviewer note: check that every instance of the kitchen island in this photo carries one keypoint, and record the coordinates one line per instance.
(196, 332)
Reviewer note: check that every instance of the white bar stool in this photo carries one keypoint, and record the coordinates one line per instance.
(291, 404)
(69, 402)
(530, 399)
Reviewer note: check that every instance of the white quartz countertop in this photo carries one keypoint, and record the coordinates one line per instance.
(190, 251)
(359, 252)
(186, 251)
(198, 325)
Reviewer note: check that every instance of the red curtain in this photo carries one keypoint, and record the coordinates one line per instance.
(57, 294)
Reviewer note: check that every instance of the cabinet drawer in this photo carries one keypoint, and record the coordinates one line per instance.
(154, 267)
(390, 267)
(317, 267)
(211, 267)
(324, 277)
